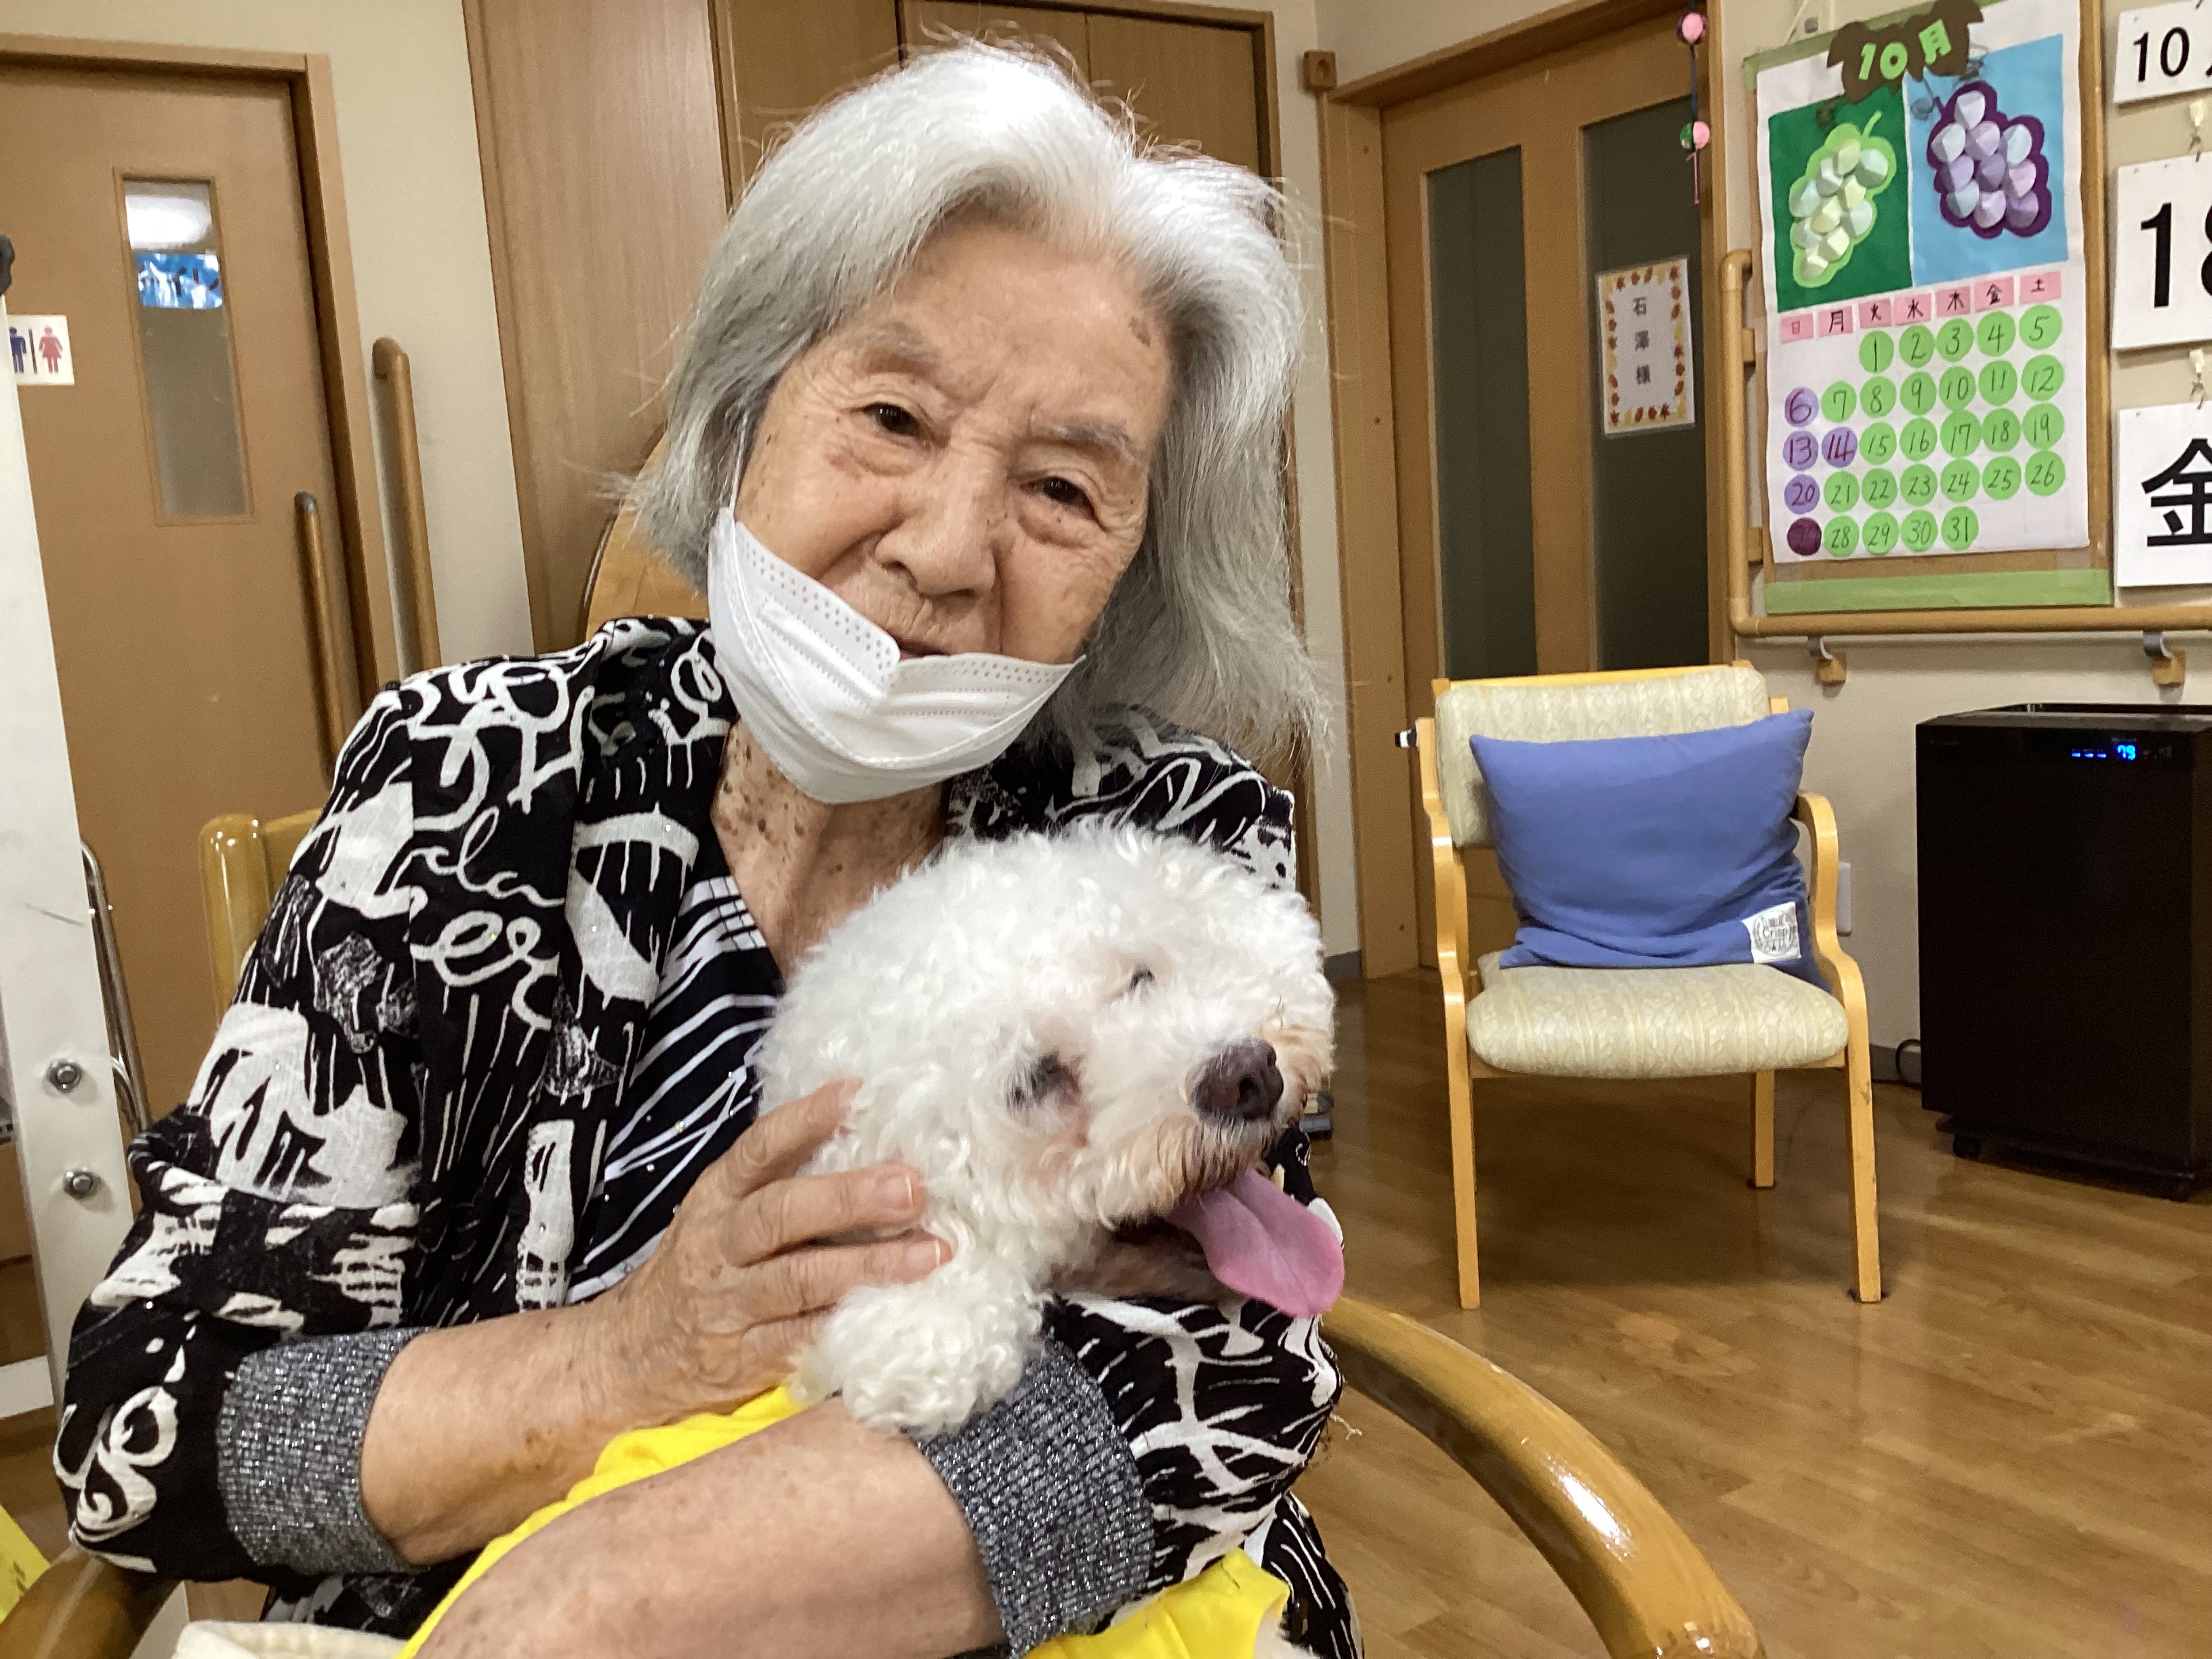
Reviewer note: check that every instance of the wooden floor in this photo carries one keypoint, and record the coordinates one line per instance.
(2008, 1458)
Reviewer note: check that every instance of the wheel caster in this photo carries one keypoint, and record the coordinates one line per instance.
(2181, 1189)
(1967, 1146)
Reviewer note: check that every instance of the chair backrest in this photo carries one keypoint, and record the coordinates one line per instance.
(1549, 708)
(242, 863)
(628, 576)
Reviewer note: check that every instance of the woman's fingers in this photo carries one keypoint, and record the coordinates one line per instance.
(738, 1287)
(805, 1282)
(807, 1208)
(782, 1140)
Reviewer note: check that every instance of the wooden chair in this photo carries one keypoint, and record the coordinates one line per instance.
(1643, 1584)
(1632, 1023)
(629, 577)
(242, 864)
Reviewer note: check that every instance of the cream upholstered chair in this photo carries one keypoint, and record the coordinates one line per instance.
(1632, 1023)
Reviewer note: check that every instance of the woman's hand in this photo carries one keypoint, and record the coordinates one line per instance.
(478, 1427)
(746, 1275)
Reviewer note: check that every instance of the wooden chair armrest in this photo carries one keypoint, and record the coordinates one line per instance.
(1450, 878)
(1836, 967)
(1643, 1583)
(82, 1607)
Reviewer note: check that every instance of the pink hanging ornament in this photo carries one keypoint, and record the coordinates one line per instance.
(1692, 28)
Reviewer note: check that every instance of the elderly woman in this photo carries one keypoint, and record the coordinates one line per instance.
(973, 445)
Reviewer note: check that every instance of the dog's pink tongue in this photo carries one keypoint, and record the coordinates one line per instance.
(1261, 1242)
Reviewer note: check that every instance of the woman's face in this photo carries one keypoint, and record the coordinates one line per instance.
(965, 461)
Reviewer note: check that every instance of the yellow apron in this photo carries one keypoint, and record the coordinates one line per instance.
(1218, 1614)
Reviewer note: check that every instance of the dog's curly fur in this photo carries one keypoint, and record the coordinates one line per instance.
(1027, 1019)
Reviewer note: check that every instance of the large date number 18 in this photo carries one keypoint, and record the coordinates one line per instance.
(2160, 225)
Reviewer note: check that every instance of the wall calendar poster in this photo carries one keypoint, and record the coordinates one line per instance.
(1926, 294)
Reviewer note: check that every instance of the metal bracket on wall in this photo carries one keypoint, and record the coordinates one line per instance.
(2168, 665)
(1829, 667)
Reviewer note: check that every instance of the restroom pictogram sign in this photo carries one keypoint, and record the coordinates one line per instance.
(38, 350)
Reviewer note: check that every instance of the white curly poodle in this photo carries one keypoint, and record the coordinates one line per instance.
(1066, 1036)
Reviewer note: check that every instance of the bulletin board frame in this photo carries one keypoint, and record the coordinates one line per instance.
(1952, 586)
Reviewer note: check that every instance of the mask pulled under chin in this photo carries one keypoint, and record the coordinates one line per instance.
(822, 689)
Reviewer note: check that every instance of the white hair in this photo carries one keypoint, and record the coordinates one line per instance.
(1199, 630)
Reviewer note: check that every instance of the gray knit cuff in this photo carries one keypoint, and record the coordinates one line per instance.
(1051, 1492)
(288, 1453)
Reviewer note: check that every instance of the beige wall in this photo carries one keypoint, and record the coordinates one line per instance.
(1862, 736)
(407, 143)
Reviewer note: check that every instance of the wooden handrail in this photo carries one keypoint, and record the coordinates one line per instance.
(393, 368)
(337, 711)
(1736, 270)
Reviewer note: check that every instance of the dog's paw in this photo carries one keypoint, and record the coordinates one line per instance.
(921, 1358)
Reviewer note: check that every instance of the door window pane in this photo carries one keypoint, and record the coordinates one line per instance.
(1485, 551)
(184, 338)
(1648, 488)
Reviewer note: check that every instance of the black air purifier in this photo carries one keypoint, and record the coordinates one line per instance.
(2066, 934)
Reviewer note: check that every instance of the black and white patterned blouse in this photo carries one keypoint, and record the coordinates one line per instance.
(500, 1020)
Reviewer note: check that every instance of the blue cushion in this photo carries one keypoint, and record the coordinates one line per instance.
(1669, 852)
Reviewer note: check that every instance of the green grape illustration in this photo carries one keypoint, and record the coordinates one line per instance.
(1831, 207)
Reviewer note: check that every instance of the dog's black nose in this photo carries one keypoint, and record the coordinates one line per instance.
(1240, 1083)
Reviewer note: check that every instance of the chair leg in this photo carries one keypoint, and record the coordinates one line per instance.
(1866, 1235)
(1462, 1090)
(1762, 1128)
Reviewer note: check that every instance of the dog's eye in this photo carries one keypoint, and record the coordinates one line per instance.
(1138, 980)
(1047, 1077)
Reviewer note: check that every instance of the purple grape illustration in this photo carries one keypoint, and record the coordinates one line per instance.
(1991, 173)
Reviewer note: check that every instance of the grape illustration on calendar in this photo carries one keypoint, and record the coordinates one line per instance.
(1925, 287)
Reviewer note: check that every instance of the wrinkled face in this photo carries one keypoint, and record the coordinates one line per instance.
(1093, 1027)
(965, 461)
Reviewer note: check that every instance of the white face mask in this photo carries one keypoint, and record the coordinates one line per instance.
(824, 691)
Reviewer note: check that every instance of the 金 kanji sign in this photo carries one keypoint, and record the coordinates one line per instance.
(2162, 520)
(1644, 337)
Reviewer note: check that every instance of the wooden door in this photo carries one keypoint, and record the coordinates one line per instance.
(1199, 84)
(1189, 83)
(163, 480)
(925, 22)
(600, 132)
(1531, 541)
